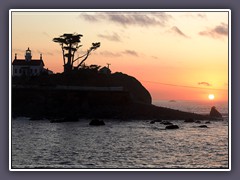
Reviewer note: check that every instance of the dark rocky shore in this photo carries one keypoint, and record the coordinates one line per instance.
(88, 95)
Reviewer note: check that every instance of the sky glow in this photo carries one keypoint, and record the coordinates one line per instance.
(175, 55)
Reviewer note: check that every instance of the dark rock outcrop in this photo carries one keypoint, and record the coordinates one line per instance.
(65, 119)
(137, 91)
(97, 122)
(214, 113)
(189, 120)
(35, 118)
(57, 120)
(172, 127)
(203, 126)
(156, 120)
(166, 123)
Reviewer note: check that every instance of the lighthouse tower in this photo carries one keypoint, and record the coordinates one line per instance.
(28, 55)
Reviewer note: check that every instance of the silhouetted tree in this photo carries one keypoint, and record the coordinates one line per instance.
(70, 44)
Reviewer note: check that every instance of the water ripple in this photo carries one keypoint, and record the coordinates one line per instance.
(133, 144)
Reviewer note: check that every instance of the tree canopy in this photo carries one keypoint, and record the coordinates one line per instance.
(70, 43)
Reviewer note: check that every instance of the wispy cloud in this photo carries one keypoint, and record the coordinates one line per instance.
(139, 20)
(154, 57)
(130, 52)
(44, 52)
(202, 16)
(216, 32)
(204, 84)
(109, 54)
(112, 37)
(196, 16)
(46, 34)
(177, 31)
(117, 54)
(130, 18)
(88, 17)
(17, 50)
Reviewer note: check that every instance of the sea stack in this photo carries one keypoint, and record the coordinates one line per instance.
(214, 113)
(97, 122)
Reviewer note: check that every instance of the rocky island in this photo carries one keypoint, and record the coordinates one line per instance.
(88, 94)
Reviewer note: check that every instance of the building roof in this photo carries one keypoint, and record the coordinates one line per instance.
(23, 62)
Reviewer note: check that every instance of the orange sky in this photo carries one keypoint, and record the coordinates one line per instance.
(168, 52)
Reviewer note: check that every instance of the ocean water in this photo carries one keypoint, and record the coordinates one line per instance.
(193, 106)
(118, 144)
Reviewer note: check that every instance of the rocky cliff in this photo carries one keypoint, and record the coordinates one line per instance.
(137, 92)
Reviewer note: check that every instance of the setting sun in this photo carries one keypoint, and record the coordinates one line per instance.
(211, 96)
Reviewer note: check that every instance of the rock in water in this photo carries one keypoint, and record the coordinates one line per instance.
(172, 127)
(157, 120)
(166, 123)
(190, 120)
(96, 122)
(203, 126)
(214, 113)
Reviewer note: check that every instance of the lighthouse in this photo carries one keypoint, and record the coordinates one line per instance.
(28, 55)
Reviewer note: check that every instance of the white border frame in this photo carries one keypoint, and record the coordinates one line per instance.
(120, 10)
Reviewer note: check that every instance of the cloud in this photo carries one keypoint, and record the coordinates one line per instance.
(140, 20)
(202, 16)
(19, 52)
(130, 52)
(196, 15)
(16, 50)
(117, 54)
(88, 17)
(113, 37)
(130, 18)
(216, 32)
(154, 57)
(204, 84)
(43, 52)
(176, 30)
(46, 34)
(109, 54)
(162, 16)
(222, 29)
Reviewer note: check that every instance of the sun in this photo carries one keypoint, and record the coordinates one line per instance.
(211, 96)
